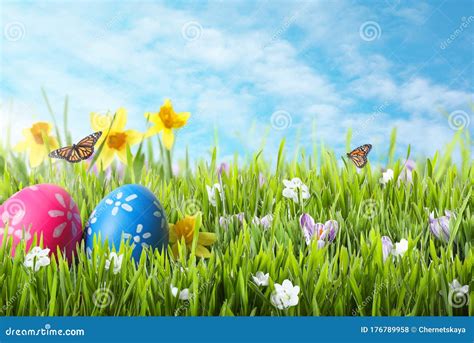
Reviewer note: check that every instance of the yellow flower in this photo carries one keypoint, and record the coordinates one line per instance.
(185, 229)
(35, 142)
(117, 138)
(167, 120)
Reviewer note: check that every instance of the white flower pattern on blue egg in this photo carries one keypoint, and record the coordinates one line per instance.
(139, 236)
(92, 220)
(131, 214)
(118, 203)
(157, 213)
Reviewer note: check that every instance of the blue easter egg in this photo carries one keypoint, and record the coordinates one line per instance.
(131, 213)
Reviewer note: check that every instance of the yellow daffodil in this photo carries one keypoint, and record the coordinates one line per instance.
(167, 120)
(185, 230)
(39, 142)
(117, 138)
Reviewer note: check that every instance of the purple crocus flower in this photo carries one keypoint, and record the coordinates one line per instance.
(323, 233)
(240, 216)
(265, 222)
(387, 247)
(223, 167)
(307, 226)
(175, 169)
(331, 227)
(261, 180)
(225, 221)
(406, 174)
(410, 165)
(440, 226)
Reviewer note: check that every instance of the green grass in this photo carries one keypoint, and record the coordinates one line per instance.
(347, 277)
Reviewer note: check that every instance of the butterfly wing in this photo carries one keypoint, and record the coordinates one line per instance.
(85, 147)
(366, 148)
(359, 155)
(68, 153)
(359, 161)
(81, 151)
(62, 153)
(89, 141)
(74, 156)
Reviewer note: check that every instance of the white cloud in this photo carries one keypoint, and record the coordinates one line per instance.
(240, 70)
(422, 96)
(417, 14)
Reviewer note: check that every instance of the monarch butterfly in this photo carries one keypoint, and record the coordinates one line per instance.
(359, 155)
(78, 152)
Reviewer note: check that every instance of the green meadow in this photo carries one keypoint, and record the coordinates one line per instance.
(346, 277)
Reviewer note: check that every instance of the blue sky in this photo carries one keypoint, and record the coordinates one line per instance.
(235, 65)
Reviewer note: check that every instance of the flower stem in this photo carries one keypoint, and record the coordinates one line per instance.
(168, 160)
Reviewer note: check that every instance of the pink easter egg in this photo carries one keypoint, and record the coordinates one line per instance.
(45, 210)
